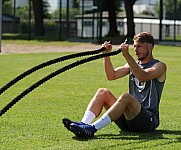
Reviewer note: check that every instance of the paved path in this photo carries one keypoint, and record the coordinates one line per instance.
(26, 48)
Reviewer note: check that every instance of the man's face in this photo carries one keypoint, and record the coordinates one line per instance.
(141, 50)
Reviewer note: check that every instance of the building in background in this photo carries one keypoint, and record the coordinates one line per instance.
(8, 21)
(142, 23)
(145, 5)
(88, 5)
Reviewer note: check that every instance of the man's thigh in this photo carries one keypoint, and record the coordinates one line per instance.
(133, 107)
(143, 122)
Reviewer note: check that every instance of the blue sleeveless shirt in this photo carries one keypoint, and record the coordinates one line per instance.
(148, 93)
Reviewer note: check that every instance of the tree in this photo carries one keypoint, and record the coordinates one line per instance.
(170, 7)
(130, 18)
(75, 4)
(23, 12)
(112, 7)
(40, 12)
(7, 7)
(72, 13)
(112, 18)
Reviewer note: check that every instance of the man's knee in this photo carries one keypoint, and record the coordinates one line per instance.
(124, 97)
(102, 91)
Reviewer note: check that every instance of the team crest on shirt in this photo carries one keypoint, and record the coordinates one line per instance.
(140, 85)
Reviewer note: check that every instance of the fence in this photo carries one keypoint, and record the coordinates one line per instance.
(10, 24)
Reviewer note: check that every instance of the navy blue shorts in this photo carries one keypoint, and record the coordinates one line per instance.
(145, 121)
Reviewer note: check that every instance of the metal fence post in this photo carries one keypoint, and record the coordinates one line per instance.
(67, 19)
(161, 18)
(29, 21)
(60, 19)
(0, 23)
(82, 30)
(100, 22)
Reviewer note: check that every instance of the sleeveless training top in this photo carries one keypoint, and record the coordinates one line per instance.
(147, 93)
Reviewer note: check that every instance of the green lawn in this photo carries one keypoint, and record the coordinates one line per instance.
(34, 123)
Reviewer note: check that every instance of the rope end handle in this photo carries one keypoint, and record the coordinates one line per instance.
(126, 41)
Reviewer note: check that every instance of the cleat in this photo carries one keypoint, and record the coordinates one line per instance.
(83, 130)
(67, 123)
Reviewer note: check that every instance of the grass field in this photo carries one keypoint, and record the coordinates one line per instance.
(34, 123)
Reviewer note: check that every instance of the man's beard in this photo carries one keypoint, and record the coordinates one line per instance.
(144, 57)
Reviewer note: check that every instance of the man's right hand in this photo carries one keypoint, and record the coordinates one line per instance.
(108, 47)
(125, 49)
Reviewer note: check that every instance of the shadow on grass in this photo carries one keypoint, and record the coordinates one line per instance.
(168, 137)
(157, 134)
(82, 139)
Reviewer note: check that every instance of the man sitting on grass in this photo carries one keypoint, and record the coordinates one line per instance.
(137, 110)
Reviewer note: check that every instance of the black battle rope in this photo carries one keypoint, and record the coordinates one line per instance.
(48, 63)
(53, 74)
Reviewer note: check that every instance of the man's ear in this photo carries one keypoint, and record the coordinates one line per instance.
(150, 47)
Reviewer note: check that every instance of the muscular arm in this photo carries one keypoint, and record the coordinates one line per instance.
(112, 73)
(157, 71)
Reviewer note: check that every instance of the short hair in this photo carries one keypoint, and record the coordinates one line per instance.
(144, 37)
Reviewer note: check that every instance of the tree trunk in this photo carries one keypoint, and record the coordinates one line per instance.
(112, 18)
(39, 15)
(130, 18)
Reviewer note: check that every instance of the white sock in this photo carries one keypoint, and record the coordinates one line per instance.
(102, 122)
(88, 117)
